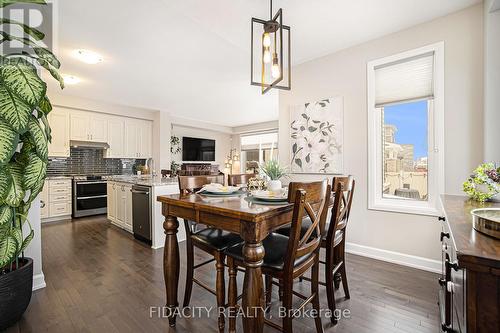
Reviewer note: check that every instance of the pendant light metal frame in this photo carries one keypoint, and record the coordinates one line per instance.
(275, 23)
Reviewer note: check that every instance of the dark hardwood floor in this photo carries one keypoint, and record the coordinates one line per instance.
(99, 279)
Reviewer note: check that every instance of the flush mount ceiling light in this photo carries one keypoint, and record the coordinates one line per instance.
(70, 79)
(88, 57)
(270, 52)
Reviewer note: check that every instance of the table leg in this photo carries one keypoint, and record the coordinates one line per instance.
(253, 290)
(171, 266)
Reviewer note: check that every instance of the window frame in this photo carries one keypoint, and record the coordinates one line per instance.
(435, 167)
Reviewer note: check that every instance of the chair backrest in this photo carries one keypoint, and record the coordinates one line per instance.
(309, 199)
(233, 180)
(191, 184)
(343, 188)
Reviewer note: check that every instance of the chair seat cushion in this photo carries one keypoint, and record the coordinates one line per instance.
(216, 238)
(275, 246)
(306, 223)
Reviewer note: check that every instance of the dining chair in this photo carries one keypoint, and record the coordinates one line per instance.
(334, 239)
(233, 180)
(287, 258)
(211, 240)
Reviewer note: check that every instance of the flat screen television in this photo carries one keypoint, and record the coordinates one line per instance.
(194, 149)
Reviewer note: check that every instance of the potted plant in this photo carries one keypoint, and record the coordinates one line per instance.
(24, 138)
(484, 183)
(274, 172)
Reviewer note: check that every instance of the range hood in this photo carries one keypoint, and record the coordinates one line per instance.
(89, 144)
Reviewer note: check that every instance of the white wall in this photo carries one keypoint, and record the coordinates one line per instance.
(222, 140)
(34, 250)
(492, 80)
(344, 74)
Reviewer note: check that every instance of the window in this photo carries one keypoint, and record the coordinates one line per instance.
(405, 128)
(258, 148)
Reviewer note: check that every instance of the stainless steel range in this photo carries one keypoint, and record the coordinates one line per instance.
(89, 195)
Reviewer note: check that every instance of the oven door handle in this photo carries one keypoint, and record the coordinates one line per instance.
(88, 183)
(93, 197)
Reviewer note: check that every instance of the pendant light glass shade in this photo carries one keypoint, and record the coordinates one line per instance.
(270, 53)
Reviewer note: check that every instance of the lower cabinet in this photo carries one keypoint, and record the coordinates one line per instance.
(55, 200)
(120, 204)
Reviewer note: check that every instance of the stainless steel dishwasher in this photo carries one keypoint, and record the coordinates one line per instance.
(141, 212)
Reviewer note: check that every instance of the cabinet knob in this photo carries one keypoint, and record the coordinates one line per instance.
(443, 235)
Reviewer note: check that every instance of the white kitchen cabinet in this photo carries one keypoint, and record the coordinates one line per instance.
(120, 205)
(80, 126)
(98, 128)
(131, 138)
(89, 126)
(111, 199)
(44, 201)
(56, 200)
(145, 139)
(128, 207)
(59, 123)
(116, 137)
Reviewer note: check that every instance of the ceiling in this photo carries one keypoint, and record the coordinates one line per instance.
(191, 57)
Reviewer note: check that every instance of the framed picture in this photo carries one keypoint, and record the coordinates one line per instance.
(317, 137)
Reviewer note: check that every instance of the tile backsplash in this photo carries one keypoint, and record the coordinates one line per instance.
(87, 161)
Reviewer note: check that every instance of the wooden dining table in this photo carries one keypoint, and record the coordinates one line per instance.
(238, 214)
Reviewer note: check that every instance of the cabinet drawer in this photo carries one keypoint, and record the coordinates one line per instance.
(60, 182)
(60, 208)
(60, 197)
(59, 190)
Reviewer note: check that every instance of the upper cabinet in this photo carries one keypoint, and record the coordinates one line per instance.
(126, 137)
(89, 126)
(116, 137)
(60, 124)
(138, 138)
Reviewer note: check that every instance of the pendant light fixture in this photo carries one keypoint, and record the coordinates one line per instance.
(270, 52)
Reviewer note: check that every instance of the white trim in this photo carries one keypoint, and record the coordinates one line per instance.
(435, 140)
(425, 264)
(39, 281)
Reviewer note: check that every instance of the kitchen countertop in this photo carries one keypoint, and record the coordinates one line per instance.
(145, 181)
(58, 177)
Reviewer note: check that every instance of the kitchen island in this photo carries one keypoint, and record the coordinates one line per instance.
(120, 193)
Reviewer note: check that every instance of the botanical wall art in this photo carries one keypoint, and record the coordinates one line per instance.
(316, 131)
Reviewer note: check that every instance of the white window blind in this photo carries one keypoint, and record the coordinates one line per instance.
(405, 80)
(260, 141)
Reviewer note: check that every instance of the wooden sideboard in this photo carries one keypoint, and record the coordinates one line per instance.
(469, 295)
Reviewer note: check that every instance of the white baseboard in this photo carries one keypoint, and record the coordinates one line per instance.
(395, 257)
(39, 281)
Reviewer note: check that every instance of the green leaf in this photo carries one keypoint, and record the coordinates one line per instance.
(15, 193)
(21, 78)
(4, 183)
(4, 3)
(46, 127)
(9, 140)
(6, 214)
(45, 106)
(312, 129)
(37, 34)
(34, 173)
(48, 56)
(18, 236)
(294, 148)
(308, 158)
(14, 110)
(26, 241)
(39, 138)
(8, 249)
(53, 71)
(304, 115)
